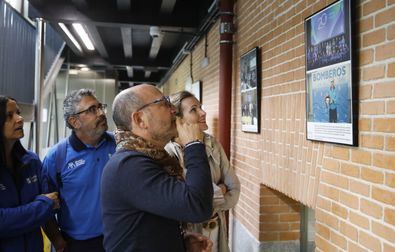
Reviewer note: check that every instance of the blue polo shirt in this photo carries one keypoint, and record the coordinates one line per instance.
(80, 215)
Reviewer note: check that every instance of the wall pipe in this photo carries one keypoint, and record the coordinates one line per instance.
(225, 73)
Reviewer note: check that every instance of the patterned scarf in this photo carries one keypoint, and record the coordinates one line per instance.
(129, 141)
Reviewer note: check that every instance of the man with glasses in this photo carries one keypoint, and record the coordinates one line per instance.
(145, 198)
(74, 167)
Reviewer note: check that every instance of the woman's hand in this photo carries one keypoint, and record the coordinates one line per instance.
(197, 243)
(223, 188)
(55, 198)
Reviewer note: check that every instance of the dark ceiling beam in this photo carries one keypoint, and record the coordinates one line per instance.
(123, 5)
(96, 40)
(137, 63)
(81, 4)
(65, 12)
(167, 6)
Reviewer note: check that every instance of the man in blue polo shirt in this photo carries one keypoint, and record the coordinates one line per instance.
(74, 167)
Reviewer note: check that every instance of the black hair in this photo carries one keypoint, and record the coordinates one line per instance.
(18, 148)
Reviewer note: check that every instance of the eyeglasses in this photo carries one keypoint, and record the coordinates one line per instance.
(165, 99)
(94, 109)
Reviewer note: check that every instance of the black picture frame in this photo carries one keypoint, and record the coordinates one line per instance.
(250, 91)
(329, 78)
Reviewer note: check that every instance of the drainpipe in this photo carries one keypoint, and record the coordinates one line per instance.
(225, 72)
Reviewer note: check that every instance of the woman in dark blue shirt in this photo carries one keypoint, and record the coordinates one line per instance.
(23, 207)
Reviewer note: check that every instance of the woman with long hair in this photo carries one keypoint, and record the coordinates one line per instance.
(23, 207)
(226, 185)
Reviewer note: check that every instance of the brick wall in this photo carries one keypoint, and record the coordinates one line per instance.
(351, 188)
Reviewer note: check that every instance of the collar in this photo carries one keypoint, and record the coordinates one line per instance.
(78, 145)
(19, 151)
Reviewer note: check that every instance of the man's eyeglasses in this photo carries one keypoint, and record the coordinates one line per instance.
(94, 109)
(165, 99)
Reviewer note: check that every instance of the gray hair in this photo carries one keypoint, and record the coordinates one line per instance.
(125, 103)
(177, 98)
(72, 101)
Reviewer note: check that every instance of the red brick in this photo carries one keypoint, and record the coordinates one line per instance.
(384, 125)
(372, 141)
(384, 161)
(339, 210)
(364, 124)
(350, 170)
(360, 188)
(359, 220)
(390, 179)
(349, 231)
(324, 245)
(366, 56)
(331, 164)
(368, 241)
(373, 73)
(365, 92)
(383, 90)
(390, 107)
(372, 6)
(372, 175)
(391, 70)
(322, 230)
(383, 231)
(389, 216)
(361, 157)
(384, 196)
(349, 200)
(340, 153)
(386, 51)
(385, 17)
(371, 208)
(372, 108)
(339, 240)
(373, 37)
(289, 236)
(391, 32)
(365, 24)
(388, 248)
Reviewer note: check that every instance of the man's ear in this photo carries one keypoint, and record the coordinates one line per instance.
(138, 120)
(74, 122)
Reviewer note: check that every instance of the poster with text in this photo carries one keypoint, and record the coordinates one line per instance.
(329, 98)
(249, 89)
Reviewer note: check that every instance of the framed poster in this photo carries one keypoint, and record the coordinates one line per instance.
(249, 88)
(329, 106)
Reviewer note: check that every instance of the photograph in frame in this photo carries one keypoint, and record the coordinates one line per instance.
(329, 98)
(249, 88)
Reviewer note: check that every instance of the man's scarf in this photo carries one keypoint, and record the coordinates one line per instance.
(129, 141)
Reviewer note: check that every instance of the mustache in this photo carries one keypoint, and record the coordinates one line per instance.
(101, 119)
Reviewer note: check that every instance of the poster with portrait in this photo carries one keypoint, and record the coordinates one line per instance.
(249, 88)
(329, 98)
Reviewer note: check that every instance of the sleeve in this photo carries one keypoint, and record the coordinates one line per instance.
(22, 219)
(49, 172)
(147, 187)
(229, 178)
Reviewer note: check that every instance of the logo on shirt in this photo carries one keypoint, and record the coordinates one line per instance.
(32, 179)
(75, 164)
(3, 187)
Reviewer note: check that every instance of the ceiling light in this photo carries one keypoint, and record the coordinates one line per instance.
(71, 37)
(84, 36)
(73, 71)
(84, 69)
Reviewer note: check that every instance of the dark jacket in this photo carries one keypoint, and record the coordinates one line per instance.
(143, 205)
(22, 209)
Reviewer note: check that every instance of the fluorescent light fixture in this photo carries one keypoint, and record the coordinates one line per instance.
(84, 69)
(71, 37)
(84, 36)
(73, 71)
